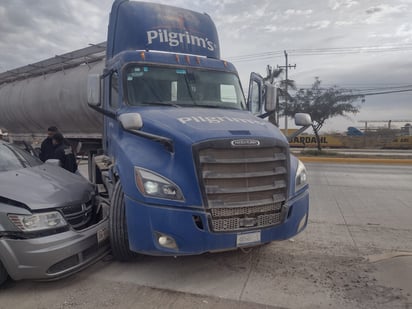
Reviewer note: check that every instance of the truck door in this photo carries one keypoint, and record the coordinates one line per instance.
(255, 94)
(113, 104)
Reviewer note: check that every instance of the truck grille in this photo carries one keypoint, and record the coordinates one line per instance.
(78, 216)
(244, 187)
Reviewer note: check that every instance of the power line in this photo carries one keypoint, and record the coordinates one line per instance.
(359, 85)
(323, 51)
(378, 89)
(383, 92)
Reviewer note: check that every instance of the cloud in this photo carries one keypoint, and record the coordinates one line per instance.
(380, 13)
(342, 23)
(318, 25)
(373, 10)
(337, 4)
(293, 12)
(33, 31)
(405, 30)
(36, 30)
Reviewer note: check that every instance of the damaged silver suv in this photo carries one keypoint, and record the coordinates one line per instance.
(51, 223)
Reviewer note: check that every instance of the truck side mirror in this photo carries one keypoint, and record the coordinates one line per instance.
(131, 121)
(93, 90)
(270, 97)
(303, 119)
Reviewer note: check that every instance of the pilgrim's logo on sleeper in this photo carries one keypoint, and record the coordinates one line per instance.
(173, 39)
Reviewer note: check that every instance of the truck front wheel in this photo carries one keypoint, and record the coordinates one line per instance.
(119, 239)
(3, 274)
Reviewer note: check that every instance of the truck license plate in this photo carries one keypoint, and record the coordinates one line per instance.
(247, 238)
(102, 235)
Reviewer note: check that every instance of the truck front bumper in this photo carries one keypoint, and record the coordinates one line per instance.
(146, 222)
(55, 256)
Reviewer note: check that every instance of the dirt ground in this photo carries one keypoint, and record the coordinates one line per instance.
(355, 253)
(290, 274)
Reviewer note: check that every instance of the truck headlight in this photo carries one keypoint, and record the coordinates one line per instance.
(38, 222)
(301, 177)
(153, 185)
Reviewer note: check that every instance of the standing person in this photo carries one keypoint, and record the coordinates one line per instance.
(47, 148)
(63, 153)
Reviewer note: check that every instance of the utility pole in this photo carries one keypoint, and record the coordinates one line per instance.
(287, 66)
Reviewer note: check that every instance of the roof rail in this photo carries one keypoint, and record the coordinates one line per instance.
(92, 53)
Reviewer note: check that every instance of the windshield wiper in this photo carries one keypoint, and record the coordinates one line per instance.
(166, 103)
(211, 106)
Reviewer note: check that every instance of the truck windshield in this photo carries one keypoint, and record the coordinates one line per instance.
(183, 87)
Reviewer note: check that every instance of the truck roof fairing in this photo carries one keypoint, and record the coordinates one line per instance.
(151, 26)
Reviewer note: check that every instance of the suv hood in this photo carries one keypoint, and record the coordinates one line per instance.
(44, 187)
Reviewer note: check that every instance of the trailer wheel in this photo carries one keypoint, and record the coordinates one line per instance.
(119, 239)
(3, 274)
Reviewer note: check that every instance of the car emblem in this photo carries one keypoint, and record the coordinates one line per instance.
(245, 143)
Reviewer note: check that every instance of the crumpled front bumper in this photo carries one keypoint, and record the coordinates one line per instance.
(55, 256)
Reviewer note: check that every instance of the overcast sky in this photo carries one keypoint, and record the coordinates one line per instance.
(252, 35)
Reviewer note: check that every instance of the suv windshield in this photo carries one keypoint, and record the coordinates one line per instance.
(13, 158)
(183, 87)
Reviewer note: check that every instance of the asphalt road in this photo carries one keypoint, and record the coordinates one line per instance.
(355, 253)
(367, 152)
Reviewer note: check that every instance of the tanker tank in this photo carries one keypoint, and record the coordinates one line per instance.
(29, 105)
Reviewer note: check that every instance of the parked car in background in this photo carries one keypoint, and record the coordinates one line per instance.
(51, 223)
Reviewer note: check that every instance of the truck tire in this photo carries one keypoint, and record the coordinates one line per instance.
(119, 239)
(3, 274)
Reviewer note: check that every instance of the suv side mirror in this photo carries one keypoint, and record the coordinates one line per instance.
(54, 162)
(93, 90)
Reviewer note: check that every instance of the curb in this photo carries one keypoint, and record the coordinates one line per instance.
(356, 160)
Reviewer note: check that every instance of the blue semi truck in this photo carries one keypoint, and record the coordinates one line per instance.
(187, 165)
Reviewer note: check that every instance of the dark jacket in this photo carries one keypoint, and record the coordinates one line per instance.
(65, 155)
(46, 149)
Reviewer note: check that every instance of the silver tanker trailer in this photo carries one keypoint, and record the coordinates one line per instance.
(52, 92)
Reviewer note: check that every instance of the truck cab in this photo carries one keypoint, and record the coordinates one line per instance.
(187, 165)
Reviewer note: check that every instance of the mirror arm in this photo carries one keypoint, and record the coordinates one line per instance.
(267, 114)
(103, 111)
(296, 133)
(166, 142)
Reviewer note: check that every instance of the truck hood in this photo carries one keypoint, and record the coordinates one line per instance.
(44, 187)
(198, 124)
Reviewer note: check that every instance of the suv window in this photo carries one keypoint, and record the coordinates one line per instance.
(13, 158)
(28, 157)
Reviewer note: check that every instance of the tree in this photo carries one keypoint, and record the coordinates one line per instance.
(283, 93)
(322, 104)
